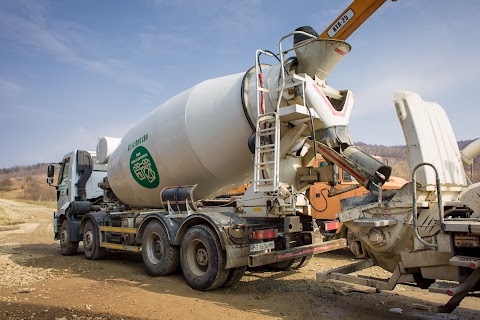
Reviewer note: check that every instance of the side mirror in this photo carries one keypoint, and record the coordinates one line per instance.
(50, 173)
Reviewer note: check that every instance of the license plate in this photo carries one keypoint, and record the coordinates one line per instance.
(262, 246)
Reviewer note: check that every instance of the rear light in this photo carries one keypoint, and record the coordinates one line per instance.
(265, 234)
(332, 225)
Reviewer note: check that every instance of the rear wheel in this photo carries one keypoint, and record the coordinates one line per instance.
(67, 248)
(91, 242)
(301, 262)
(292, 264)
(282, 265)
(234, 276)
(159, 255)
(202, 258)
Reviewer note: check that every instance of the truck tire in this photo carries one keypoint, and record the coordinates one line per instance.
(67, 248)
(292, 264)
(282, 265)
(91, 242)
(301, 262)
(234, 276)
(159, 255)
(202, 259)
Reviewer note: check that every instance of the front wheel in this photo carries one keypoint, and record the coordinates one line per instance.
(67, 248)
(159, 255)
(202, 259)
(91, 242)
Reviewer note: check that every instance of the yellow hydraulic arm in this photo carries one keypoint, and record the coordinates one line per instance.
(350, 19)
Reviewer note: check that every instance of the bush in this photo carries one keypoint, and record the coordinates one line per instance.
(36, 189)
(6, 184)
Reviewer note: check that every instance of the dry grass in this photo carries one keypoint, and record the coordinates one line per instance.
(28, 189)
(7, 220)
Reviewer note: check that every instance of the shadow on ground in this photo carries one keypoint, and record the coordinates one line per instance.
(286, 295)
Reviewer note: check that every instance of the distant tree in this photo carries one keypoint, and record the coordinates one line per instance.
(37, 190)
(6, 184)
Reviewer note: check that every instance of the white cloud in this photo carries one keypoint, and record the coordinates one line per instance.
(165, 41)
(59, 38)
(227, 17)
(10, 87)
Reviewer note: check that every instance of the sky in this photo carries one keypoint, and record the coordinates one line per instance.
(72, 71)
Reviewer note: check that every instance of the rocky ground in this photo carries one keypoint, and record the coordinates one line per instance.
(36, 282)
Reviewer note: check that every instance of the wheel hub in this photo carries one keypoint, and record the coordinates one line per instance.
(63, 236)
(202, 257)
(88, 240)
(158, 247)
(154, 248)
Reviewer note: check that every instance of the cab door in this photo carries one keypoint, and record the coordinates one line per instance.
(63, 185)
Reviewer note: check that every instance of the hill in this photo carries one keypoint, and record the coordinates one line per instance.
(396, 155)
(29, 182)
(26, 183)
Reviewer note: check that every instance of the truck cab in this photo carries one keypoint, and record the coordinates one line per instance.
(77, 187)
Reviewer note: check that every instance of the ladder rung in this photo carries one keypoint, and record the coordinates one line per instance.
(266, 150)
(266, 119)
(266, 188)
(263, 180)
(266, 133)
(265, 162)
(266, 130)
(264, 146)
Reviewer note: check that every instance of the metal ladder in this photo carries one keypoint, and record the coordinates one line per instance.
(267, 153)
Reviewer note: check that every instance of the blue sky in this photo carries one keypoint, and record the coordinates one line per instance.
(71, 71)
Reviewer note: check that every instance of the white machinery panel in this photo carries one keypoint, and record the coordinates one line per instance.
(429, 138)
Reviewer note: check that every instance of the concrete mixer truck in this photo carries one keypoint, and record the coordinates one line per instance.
(144, 192)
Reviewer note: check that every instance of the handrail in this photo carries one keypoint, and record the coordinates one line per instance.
(282, 59)
(257, 72)
(439, 199)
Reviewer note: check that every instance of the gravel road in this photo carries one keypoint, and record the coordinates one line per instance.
(36, 282)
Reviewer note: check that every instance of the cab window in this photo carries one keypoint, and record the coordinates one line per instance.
(63, 174)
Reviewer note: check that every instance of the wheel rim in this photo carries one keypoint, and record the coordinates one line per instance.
(154, 248)
(63, 237)
(88, 240)
(197, 258)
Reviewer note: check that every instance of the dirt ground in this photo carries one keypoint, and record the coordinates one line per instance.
(36, 282)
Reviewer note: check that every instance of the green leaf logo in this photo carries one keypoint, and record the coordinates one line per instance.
(143, 168)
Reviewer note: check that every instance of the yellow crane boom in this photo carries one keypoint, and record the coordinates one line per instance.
(351, 18)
